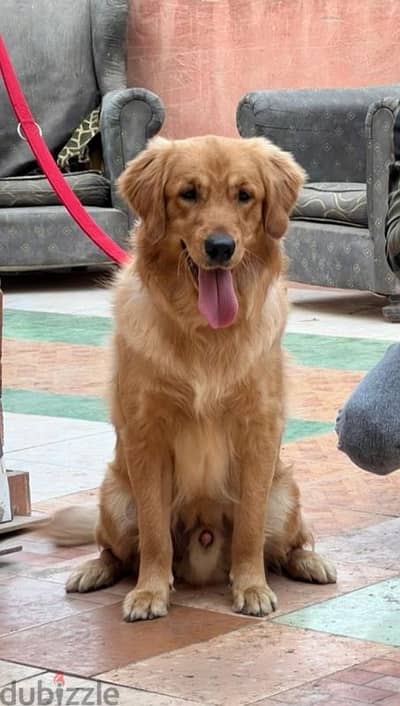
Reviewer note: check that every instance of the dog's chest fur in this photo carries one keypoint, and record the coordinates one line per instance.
(202, 453)
(201, 462)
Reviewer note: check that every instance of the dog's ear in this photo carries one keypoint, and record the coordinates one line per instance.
(142, 185)
(283, 178)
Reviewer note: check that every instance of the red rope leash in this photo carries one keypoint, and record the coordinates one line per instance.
(32, 133)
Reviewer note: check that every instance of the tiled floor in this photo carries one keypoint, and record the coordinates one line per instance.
(333, 645)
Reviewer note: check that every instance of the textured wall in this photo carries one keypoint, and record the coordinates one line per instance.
(201, 56)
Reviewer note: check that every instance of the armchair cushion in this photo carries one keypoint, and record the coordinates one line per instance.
(335, 202)
(91, 188)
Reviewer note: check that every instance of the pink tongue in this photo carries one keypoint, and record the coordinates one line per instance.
(217, 298)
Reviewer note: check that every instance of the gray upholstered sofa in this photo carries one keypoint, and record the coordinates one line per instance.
(70, 58)
(344, 140)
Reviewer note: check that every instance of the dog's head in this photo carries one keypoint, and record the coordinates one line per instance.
(212, 211)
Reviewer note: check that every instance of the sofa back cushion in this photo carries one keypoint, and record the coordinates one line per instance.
(50, 45)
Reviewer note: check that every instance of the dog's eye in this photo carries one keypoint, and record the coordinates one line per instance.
(188, 195)
(243, 196)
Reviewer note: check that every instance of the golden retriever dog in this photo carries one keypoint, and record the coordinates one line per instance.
(197, 394)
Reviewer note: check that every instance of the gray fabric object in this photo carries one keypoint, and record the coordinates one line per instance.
(337, 135)
(31, 237)
(393, 219)
(368, 425)
(49, 45)
(322, 252)
(333, 202)
(128, 118)
(91, 188)
(70, 57)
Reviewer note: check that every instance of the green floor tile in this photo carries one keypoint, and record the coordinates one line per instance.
(334, 352)
(299, 429)
(50, 404)
(371, 613)
(56, 328)
(310, 350)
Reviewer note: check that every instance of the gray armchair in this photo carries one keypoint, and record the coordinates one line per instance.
(344, 140)
(70, 58)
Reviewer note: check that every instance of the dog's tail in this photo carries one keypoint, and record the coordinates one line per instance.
(72, 526)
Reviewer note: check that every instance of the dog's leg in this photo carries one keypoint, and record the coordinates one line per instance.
(251, 593)
(115, 533)
(151, 479)
(287, 535)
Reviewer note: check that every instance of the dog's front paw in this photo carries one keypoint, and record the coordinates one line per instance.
(140, 604)
(254, 600)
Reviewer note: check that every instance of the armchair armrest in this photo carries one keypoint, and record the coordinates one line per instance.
(382, 177)
(129, 118)
(324, 129)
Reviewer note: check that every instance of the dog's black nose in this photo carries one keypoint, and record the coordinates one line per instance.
(219, 248)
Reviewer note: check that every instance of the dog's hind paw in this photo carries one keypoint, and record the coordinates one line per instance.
(95, 574)
(254, 600)
(140, 604)
(305, 565)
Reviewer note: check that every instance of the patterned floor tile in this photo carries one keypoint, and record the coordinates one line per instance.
(245, 666)
(11, 671)
(54, 564)
(77, 498)
(59, 570)
(50, 480)
(316, 394)
(99, 640)
(387, 667)
(376, 546)
(389, 683)
(391, 701)
(327, 519)
(53, 327)
(75, 293)
(335, 352)
(65, 466)
(292, 595)
(51, 404)
(54, 367)
(332, 479)
(374, 681)
(337, 313)
(317, 459)
(24, 431)
(393, 655)
(359, 491)
(60, 688)
(27, 602)
(371, 613)
(329, 691)
(300, 428)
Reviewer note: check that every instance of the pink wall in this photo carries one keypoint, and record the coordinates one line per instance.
(201, 56)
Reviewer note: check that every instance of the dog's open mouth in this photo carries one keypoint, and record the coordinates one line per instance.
(217, 298)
